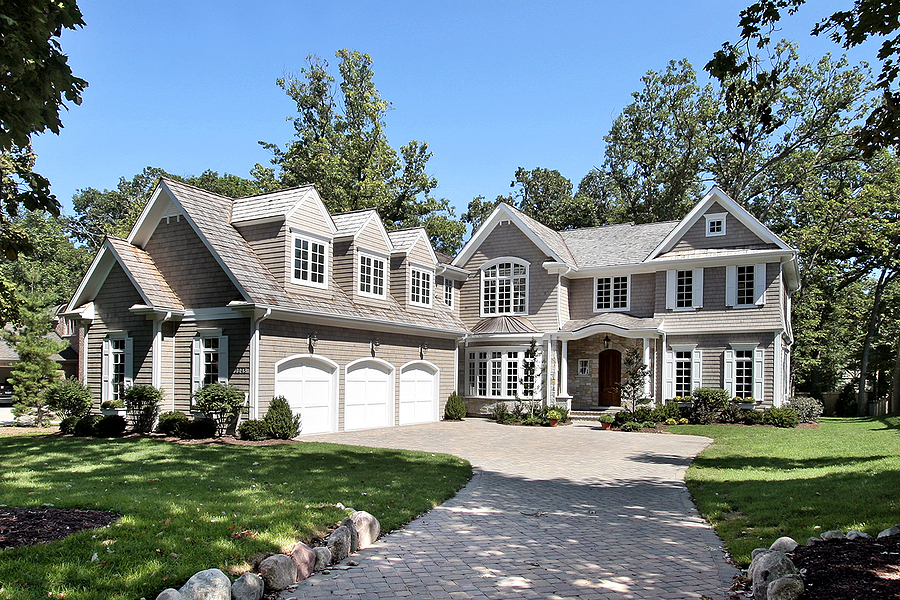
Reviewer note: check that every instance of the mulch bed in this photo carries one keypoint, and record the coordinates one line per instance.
(29, 526)
(851, 569)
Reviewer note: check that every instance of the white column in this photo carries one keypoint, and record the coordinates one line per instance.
(647, 389)
(564, 370)
(156, 359)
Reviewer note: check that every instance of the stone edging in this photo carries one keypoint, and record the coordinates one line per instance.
(773, 575)
(279, 571)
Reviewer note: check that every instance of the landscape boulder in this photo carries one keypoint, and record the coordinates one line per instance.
(367, 527)
(338, 543)
(766, 568)
(305, 559)
(323, 558)
(211, 584)
(858, 535)
(354, 535)
(784, 544)
(170, 594)
(834, 534)
(891, 531)
(789, 587)
(248, 586)
(278, 571)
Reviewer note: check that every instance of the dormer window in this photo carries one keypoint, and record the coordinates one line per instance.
(420, 287)
(715, 224)
(310, 264)
(371, 276)
(504, 288)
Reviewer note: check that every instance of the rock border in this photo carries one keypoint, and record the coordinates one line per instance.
(773, 575)
(279, 571)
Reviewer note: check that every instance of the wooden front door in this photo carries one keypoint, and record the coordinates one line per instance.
(610, 377)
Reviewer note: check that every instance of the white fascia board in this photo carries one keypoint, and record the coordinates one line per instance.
(93, 279)
(450, 272)
(720, 331)
(129, 274)
(312, 195)
(260, 221)
(151, 215)
(501, 213)
(662, 264)
(384, 235)
(422, 236)
(608, 328)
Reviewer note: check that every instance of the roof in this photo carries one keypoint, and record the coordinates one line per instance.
(7, 354)
(145, 274)
(403, 239)
(351, 222)
(611, 245)
(505, 324)
(615, 320)
(551, 238)
(265, 206)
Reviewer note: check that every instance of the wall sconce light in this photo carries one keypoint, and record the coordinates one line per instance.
(423, 347)
(374, 344)
(313, 340)
(606, 342)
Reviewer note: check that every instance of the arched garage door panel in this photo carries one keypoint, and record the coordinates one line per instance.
(368, 396)
(308, 384)
(418, 394)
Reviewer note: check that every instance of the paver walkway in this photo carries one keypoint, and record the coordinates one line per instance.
(559, 513)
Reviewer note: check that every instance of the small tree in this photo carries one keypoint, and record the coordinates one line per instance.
(632, 387)
(280, 422)
(142, 404)
(69, 398)
(221, 402)
(529, 384)
(455, 409)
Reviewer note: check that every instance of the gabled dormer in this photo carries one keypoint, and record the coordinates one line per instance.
(413, 266)
(362, 256)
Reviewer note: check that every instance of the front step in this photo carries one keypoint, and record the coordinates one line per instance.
(591, 415)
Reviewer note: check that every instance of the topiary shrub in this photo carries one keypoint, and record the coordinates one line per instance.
(110, 426)
(631, 426)
(198, 429)
(808, 409)
(707, 405)
(281, 423)
(67, 425)
(455, 409)
(750, 416)
(68, 398)
(253, 430)
(781, 417)
(142, 404)
(171, 423)
(86, 426)
(622, 417)
(220, 402)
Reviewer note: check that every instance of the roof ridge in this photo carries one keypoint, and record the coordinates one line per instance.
(287, 189)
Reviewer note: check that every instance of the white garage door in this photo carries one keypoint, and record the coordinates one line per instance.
(368, 396)
(308, 384)
(418, 394)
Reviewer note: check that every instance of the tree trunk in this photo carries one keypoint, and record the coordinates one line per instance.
(895, 383)
(862, 400)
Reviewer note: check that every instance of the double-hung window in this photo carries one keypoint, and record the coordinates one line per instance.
(209, 354)
(745, 285)
(310, 264)
(448, 292)
(743, 377)
(612, 293)
(682, 371)
(117, 366)
(684, 289)
(743, 373)
(499, 373)
(371, 276)
(504, 289)
(420, 287)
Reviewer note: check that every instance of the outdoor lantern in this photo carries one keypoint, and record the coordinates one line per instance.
(606, 342)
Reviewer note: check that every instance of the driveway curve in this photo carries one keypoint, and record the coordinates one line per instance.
(558, 513)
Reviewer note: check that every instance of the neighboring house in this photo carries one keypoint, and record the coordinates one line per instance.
(273, 295)
(705, 299)
(359, 327)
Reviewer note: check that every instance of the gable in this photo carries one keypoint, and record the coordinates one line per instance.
(372, 236)
(421, 252)
(506, 240)
(308, 217)
(737, 234)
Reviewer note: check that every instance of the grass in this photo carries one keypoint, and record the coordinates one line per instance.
(756, 484)
(181, 505)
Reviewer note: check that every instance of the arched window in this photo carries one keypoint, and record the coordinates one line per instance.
(504, 288)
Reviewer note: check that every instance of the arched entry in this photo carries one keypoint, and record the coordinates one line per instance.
(309, 384)
(610, 378)
(368, 394)
(419, 384)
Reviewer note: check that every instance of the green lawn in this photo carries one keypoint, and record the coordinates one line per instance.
(180, 505)
(755, 484)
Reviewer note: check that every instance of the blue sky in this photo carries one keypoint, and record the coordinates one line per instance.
(491, 86)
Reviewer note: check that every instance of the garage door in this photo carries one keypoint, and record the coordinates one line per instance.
(418, 394)
(308, 384)
(368, 395)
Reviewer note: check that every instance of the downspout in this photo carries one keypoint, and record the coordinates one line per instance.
(254, 361)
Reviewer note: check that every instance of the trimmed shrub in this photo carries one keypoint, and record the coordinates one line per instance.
(643, 413)
(649, 424)
(562, 413)
(171, 423)
(142, 404)
(733, 413)
(281, 423)
(808, 409)
(198, 429)
(221, 402)
(606, 418)
(110, 426)
(707, 405)
(67, 425)
(86, 426)
(752, 417)
(631, 426)
(669, 410)
(68, 398)
(253, 430)
(781, 417)
(622, 417)
(455, 409)
(530, 419)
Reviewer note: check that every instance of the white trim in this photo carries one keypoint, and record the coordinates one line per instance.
(385, 274)
(334, 373)
(198, 370)
(422, 233)
(392, 388)
(627, 306)
(504, 373)
(310, 239)
(715, 217)
(436, 416)
(514, 260)
(313, 194)
(449, 286)
(500, 214)
(426, 296)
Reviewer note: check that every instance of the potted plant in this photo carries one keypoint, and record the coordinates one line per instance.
(606, 421)
(112, 407)
(553, 417)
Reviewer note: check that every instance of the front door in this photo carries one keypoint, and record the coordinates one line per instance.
(610, 377)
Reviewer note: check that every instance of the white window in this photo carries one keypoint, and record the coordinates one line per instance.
(743, 373)
(448, 292)
(684, 289)
(420, 287)
(117, 366)
(715, 224)
(310, 266)
(745, 285)
(504, 289)
(743, 377)
(612, 293)
(498, 373)
(209, 353)
(371, 276)
(584, 367)
(682, 371)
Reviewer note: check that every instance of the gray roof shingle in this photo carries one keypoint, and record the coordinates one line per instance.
(265, 206)
(619, 320)
(615, 244)
(147, 276)
(551, 238)
(351, 222)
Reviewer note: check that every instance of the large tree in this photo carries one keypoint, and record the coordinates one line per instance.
(340, 145)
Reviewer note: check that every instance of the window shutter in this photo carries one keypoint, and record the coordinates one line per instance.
(196, 364)
(669, 375)
(696, 370)
(106, 371)
(223, 359)
(129, 362)
(698, 288)
(758, 367)
(730, 285)
(728, 375)
(671, 287)
(759, 281)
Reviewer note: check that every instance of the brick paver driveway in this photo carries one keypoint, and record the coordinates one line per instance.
(565, 512)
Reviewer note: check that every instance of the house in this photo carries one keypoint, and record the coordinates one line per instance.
(706, 300)
(359, 327)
